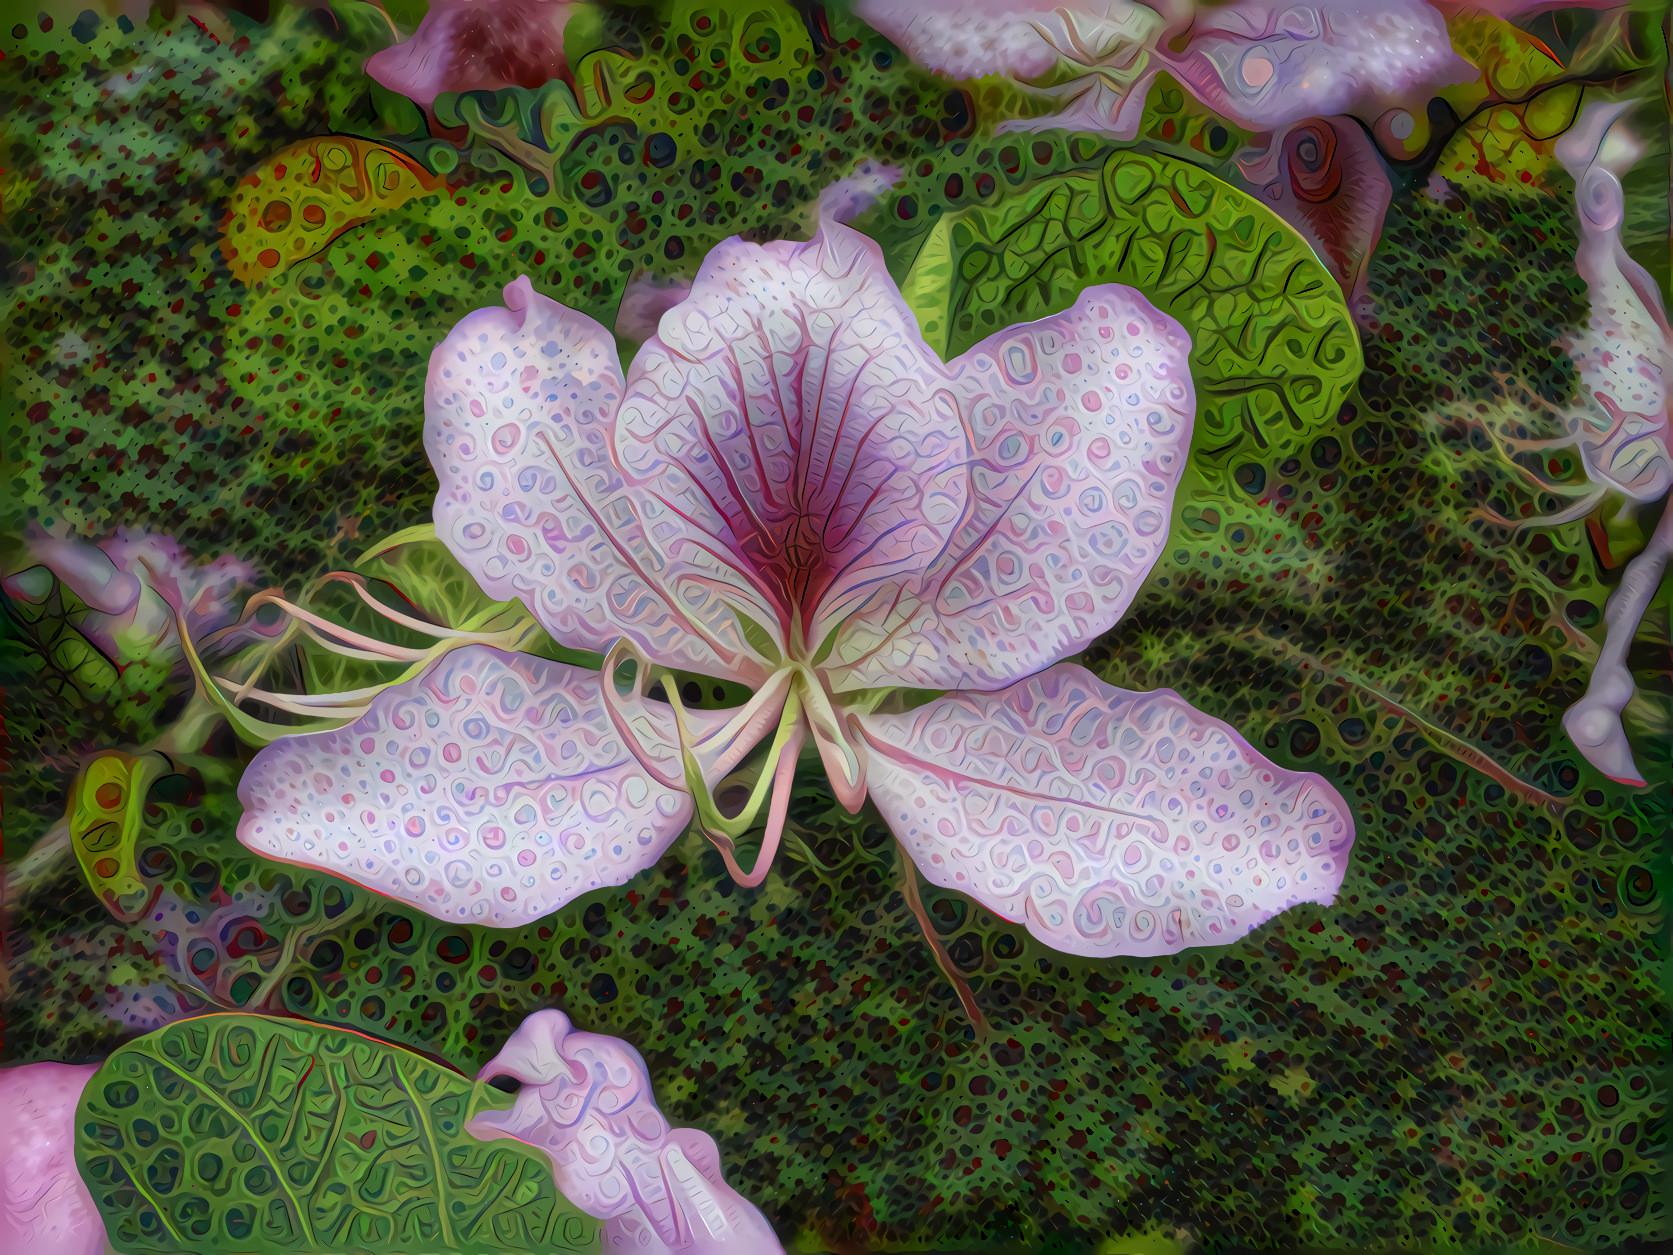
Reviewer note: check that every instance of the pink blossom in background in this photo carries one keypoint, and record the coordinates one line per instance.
(1619, 424)
(476, 45)
(1265, 65)
(130, 582)
(1017, 38)
(44, 1207)
(586, 1101)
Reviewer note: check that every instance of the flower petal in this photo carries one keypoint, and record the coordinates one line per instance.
(1624, 357)
(1107, 822)
(586, 1101)
(790, 410)
(518, 412)
(1081, 424)
(476, 45)
(1018, 38)
(45, 1208)
(492, 789)
(1267, 63)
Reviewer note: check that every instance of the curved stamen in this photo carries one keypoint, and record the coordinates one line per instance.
(784, 774)
(740, 734)
(344, 707)
(822, 716)
(709, 816)
(358, 583)
(622, 651)
(250, 730)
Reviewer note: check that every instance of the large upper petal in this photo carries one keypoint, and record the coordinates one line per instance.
(1080, 425)
(1107, 822)
(790, 411)
(519, 408)
(492, 789)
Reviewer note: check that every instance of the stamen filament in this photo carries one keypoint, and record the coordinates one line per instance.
(708, 810)
(823, 718)
(393, 615)
(619, 652)
(784, 775)
(744, 730)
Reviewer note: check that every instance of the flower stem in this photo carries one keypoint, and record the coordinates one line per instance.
(967, 999)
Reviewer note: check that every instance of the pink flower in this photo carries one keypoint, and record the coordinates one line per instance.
(585, 1100)
(1619, 424)
(1266, 64)
(131, 584)
(44, 1207)
(791, 491)
(476, 45)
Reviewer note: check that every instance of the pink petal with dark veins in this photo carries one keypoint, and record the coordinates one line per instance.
(519, 409)
(1080, 425)
(791, 412)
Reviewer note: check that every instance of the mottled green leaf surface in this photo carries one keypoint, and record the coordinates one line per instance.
(239, 1132)
(1273, 350)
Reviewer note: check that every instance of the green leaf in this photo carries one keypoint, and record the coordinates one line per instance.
(239, 1132)
(1274, 351)
(106, 818)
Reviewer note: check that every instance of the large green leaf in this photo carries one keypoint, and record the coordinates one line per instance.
(1274, 351)
(244, 1133)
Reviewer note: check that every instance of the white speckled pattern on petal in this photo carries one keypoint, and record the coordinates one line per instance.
(1106, 822)
(1079, 426)
(492, 789)
(519, 411)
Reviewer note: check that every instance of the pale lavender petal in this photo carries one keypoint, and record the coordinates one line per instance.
(1080, 425)
(1624, 357)
(1105, 822)
(1267, 63)
(519, 408)
(645, 299)
(476, 45)
(586, 1101)
(45, 1208)
(492, 789)
(790, 411)
(1018, 38)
